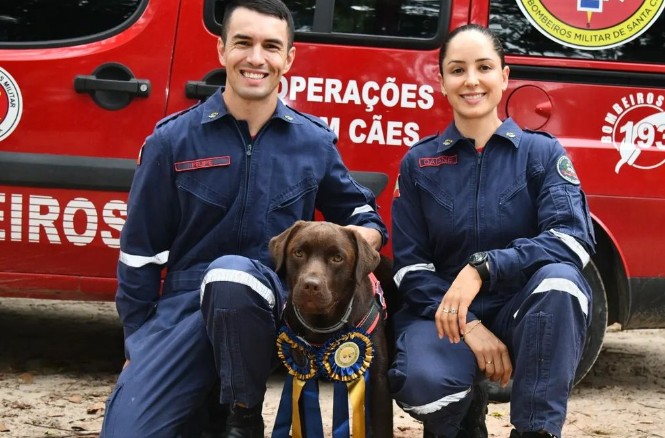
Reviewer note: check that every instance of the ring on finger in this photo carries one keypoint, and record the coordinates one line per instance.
(445, 310)
(489, 362)
(453, 311)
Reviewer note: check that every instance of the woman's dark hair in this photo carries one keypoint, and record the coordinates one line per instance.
(496, 42)
(274, 8)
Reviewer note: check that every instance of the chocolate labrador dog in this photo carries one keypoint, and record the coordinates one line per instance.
(327, 269)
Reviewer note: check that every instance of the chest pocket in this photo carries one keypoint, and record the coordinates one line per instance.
(294, 203)
(205, 187)
(517, 212)
(439, 208)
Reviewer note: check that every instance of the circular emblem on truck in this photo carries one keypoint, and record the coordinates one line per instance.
(592, 24)
(635, 125)
(11, 104)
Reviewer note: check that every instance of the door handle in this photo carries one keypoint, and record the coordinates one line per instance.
(199, 89)
(202, 89)
(134, 87)
(112, 86)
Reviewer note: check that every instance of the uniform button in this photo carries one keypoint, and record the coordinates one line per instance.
(213, 115)
(510, 134)
(447, 142)
(287, 117)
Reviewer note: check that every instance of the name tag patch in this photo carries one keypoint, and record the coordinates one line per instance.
(202, 163)
(437, 161)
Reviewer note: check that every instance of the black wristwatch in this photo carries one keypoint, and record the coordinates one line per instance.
(479, 261)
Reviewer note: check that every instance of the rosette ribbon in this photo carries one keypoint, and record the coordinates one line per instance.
(300, 383)
(345, 360)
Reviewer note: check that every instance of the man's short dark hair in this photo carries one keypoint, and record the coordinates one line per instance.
(274, 8)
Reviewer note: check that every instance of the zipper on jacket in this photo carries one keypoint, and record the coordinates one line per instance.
(479, 167)
(248, 165)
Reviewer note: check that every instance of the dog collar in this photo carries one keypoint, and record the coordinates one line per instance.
(333, 328)
(368, 323)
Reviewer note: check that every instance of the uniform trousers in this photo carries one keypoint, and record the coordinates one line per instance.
(544, 327)
(217, 325)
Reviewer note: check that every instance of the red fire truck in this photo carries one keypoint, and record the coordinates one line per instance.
(83, 83)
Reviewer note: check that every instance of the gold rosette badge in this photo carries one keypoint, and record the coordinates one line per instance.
(296, 355)
(346, 357)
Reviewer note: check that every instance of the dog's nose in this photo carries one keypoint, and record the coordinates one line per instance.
(312, 284)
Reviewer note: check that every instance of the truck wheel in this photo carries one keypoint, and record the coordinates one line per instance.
(594, 339)
(596, 333)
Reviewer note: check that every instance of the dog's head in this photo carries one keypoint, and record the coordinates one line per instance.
(323, 264)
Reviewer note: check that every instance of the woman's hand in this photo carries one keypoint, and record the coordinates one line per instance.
(491, 354)
(450, 317)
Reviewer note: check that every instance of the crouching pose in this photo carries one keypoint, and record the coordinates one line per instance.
(214, 183)
(490, 233)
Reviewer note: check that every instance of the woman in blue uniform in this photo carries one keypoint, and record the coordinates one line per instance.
(491, 232)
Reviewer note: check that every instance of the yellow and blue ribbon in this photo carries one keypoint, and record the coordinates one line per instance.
(345, 360)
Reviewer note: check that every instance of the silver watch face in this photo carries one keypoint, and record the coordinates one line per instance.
(478, 258)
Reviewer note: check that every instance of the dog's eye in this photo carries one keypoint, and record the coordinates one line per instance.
(298, 253)
(337, 258)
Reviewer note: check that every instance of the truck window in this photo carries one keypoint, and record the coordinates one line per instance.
(379, 23)
(40, 23)
(408, 18)
(523, 32)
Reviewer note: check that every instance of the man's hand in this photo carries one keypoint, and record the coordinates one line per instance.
(371, 235)
(491, 354)
(450, 317)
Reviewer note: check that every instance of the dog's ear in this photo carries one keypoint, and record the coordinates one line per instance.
(368, 258)
(279, 243)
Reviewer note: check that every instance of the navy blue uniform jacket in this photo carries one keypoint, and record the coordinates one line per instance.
(520, 200)
(203, 189)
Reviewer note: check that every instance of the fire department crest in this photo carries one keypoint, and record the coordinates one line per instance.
(11, 104)
(566, 170)
(592, 24)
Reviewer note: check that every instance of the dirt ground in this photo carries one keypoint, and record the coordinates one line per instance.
(59, 361)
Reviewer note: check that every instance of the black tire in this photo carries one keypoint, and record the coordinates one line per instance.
(594, 339)
(596, 333)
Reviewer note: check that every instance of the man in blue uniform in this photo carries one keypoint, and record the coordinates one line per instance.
(214, 183)
(490, 234)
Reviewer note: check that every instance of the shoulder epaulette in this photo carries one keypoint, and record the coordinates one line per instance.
(317, 121)
(175, 115)
(425, 140)
(545, 133)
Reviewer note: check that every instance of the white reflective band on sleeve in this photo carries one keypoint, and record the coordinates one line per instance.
(363, 209)
(574, 245)
(135, 261)
(562, 285)
(436, 405)
(417, 267)
(240, 277)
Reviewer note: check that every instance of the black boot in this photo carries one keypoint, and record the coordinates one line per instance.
(473, 424)
(245, 422)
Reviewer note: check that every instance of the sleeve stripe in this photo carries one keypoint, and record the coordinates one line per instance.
(362, 209)
(574, 245)
(135, 261)
(436, 405)
(417, 267)
(562, 285)
(240, 277)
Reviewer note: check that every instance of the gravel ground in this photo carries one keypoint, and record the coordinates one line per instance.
(59, 361)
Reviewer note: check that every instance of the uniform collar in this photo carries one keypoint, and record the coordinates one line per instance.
(214, 108)
(508, 130)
